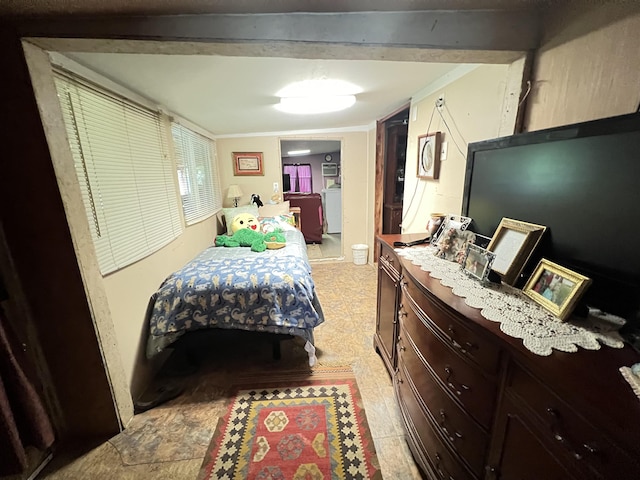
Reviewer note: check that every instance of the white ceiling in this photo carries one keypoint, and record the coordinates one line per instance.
(236, 95)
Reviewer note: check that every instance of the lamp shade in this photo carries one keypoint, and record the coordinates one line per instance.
(234, 191)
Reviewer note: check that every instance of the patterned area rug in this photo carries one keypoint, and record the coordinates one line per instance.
(308, 429)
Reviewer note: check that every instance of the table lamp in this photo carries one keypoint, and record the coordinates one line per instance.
(235, 193)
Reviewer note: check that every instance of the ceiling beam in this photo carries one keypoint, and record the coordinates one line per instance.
(446, 30)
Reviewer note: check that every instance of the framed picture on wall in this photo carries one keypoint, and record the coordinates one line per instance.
(429, 155)
(247, 163)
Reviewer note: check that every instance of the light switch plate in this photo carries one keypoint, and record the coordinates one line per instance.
(443, 151)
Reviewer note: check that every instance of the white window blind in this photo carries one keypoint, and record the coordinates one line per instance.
(125, 173)
(197, 174)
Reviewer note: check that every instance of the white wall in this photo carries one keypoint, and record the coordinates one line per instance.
(473, 112)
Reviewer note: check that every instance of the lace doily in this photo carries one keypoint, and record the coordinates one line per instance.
(517, 314)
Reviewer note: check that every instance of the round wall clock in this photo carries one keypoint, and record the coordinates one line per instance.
(328, 157)
(429, 155)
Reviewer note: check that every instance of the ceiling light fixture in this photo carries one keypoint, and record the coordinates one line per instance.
(299, 152)
(317, 96)
(312, 105)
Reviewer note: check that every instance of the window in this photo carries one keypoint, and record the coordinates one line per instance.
(198, 178)
(301, 177)
(125, 172)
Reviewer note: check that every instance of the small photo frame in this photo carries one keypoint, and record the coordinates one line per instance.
(513, 243)
(477, 262)
(453, 244)
(247, 163)
(450, 221)
(556, 288)
(429, 155)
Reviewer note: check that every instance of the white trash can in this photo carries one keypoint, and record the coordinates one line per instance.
(360, 251)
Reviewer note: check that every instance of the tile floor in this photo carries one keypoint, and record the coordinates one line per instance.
(169, 441)
(329, 249)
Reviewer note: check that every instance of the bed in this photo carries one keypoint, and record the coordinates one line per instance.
(235, 288)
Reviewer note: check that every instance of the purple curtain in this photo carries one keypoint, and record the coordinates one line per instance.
(23, 419)
(291, 170)
(304, 176)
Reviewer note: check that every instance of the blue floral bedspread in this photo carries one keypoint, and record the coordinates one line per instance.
(236, 288)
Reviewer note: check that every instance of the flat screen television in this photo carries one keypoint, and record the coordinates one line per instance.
(583, 182)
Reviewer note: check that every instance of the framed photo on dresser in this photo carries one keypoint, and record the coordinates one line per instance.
(477, 262)
(513, 243)
(556, 288)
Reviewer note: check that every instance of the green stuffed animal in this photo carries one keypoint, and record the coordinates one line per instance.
(247, 233)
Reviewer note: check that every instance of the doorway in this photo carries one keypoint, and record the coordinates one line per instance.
(312, 181)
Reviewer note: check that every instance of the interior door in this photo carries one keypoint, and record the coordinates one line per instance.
(395, 152)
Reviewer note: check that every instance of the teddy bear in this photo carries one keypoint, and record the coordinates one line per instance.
(246, 233)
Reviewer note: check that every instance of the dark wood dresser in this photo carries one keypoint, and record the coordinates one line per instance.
(477, 404)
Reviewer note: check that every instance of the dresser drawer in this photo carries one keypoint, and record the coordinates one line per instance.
(389, 259)
(464, 340)
(463, 382)
(463, 433)
(442, 461)
(569, 434)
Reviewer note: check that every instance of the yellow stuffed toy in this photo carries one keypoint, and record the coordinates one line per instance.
(245, 220)
(246, 233)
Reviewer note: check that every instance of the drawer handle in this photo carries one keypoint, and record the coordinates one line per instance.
(400, 347)
(402, 313)
(443, 426)
(468, 345)
(450, 380)
(441, 472)
(561, 438)
(492, 472)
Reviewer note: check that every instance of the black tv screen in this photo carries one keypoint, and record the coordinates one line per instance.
(286, 182)
(582, 181)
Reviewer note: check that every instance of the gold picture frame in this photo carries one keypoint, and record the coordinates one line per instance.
(556, 288)
(429, 146)
(247, 163)
(513, 243)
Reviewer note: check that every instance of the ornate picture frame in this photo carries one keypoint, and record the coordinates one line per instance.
(477, 263)
(450, 221)
(556, 288)
(247, 163)
(429, 146)
(513, 243)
